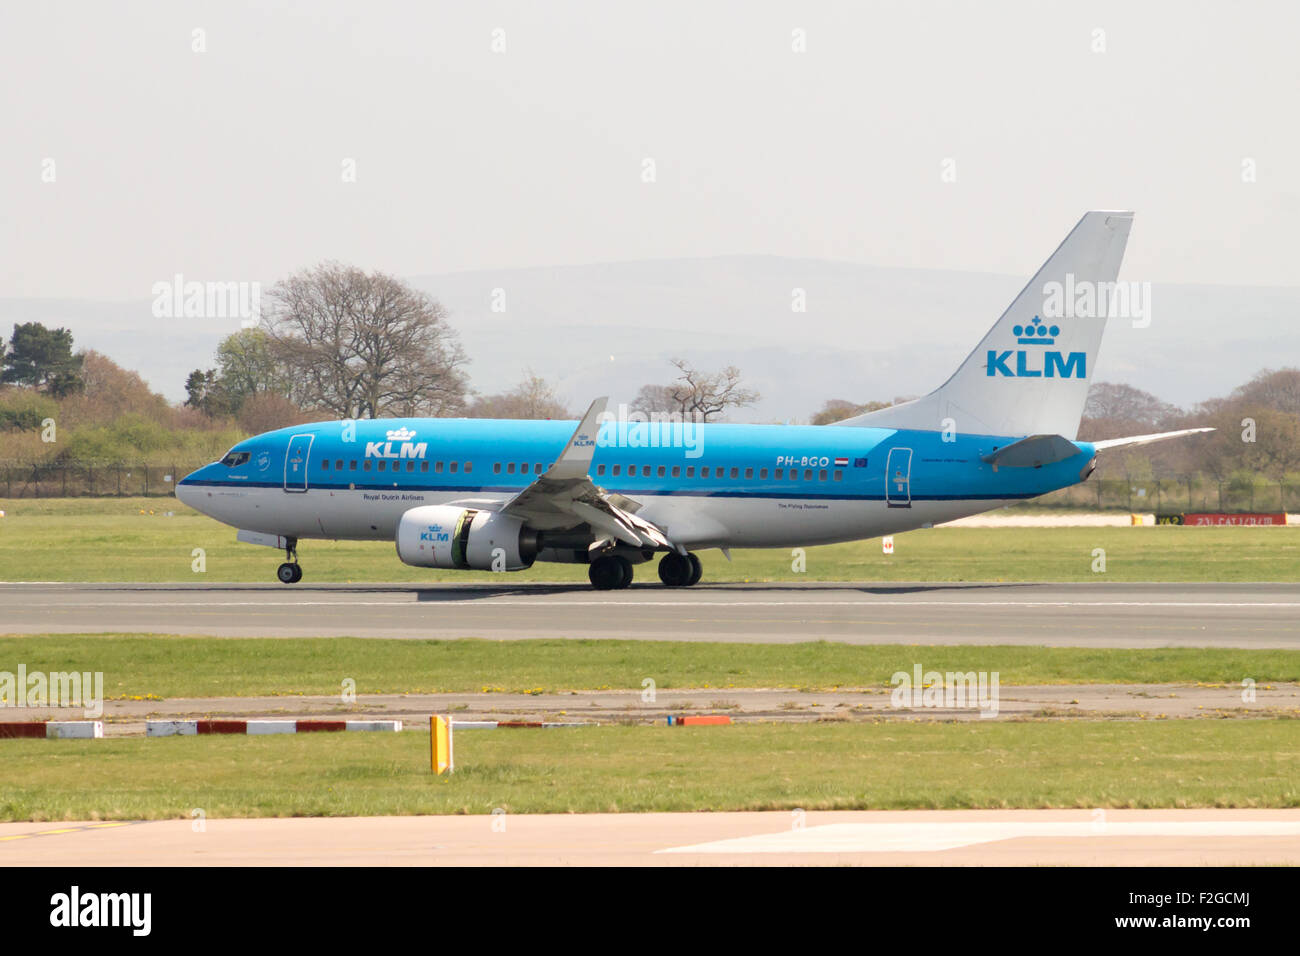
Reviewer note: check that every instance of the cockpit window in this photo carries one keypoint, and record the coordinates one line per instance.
(234, 459)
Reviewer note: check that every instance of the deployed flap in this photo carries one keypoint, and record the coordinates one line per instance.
(565, 496)
(1146, 439)
(1032, 452)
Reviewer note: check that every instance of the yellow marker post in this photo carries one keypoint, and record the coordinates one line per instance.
(440, 752)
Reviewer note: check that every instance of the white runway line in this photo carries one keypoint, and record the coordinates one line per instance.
(928, 837)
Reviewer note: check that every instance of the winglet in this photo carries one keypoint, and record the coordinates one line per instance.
(575, 460)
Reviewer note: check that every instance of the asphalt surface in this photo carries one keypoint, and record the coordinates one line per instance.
(782, 838)
(1092, 614)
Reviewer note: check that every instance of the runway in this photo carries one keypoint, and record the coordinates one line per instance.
(1091, 614)
(773, 838)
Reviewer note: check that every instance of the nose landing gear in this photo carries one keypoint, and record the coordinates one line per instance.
(290, 572)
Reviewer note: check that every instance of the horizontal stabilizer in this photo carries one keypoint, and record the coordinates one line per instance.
(1146, 439)
(1032, 452)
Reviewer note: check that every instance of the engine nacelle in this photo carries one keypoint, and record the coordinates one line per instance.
(448, 536)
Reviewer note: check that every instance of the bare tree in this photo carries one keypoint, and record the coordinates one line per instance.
(364, 345)
(838, 409)
(696, 394)
(533, 398)
(655, 400)
(1126, 404)
(1275, 389)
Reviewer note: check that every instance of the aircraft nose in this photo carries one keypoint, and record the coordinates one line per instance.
(187, 492)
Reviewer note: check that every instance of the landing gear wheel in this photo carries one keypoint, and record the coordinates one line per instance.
(625, 569)
(675, 570)
(609, 573)
(697, 569)
(289, 573)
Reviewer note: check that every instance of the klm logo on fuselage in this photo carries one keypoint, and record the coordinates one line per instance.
(1046, 364)
(405, 447)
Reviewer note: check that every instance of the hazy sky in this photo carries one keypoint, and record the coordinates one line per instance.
(228, 164)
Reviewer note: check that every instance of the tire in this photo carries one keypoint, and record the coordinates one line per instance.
(675, 570)
(625, 571)
(697, 569)
(288, 573)
(605, 574)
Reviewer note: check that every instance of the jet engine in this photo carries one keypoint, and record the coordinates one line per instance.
(448, 536)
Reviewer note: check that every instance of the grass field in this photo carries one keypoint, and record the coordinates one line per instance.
(1245, 763)
(170, 666)
(154, 540)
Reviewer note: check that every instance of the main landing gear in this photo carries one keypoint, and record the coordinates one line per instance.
(680, 570)
(290, 572)
(610, 572)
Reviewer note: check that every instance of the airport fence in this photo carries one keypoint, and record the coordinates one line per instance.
(1184, 494)
(91, 479)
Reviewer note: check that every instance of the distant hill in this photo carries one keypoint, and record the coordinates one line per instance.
(868, 332)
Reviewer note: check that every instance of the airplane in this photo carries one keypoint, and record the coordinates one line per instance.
(501, 495)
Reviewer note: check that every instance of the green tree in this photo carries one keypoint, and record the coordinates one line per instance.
(42, 358)
(246, 366)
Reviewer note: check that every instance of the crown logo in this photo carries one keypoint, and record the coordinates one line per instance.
(1036, 333)
(401, 434)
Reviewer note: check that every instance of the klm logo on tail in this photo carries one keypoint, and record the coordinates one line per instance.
(1049, 364)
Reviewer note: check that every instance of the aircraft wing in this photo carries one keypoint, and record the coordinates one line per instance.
(565, 496)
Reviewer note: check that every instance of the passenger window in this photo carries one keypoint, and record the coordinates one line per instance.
(496, 467)
(469, 466)
(735, 473)
(352, 465)
(325, 465)
(338, 464)
(383, 466)
(704, 471)
(616, 470)
(424, 466)
(780, 474)
(600, 469)
(749, 473)
(365, 465)
(410, 466)
(821, 475)
(807, 475)
(762, 473)
(645, 471)
(690, 471)
(662, 471)
(839, 475)
(452, 467)
(510, 468)
(677, 471)
(537, 468)
(437, 467)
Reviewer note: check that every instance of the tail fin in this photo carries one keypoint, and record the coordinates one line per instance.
(1030, 374)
